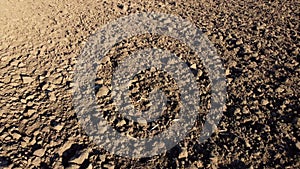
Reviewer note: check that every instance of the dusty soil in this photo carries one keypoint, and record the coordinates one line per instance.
(257, 41)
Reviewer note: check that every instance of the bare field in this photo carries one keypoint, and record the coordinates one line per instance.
(258, 42)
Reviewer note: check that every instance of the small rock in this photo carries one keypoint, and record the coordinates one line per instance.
(58, 80)
(194, 66)
(183, 154)
(103, 91)
(81, 158)
(298, 145)
(227, 72)
(102, 157)
(108, 166)
(27, 79)
(21, 64)
(16, 136)
(23, 101)
(58, 127)
(264, 102)
(30, 97)
(279, 90)
(247, 143)
(200, 72)
(45, 86)
(52, 96)
(65, 147)
(7, 79)
(36, 161)
(39, 152)
(121, 123)
(24, 144)
(199, 164)
(142, 121)
(239, 42)
(30, 112)
(30, 103)
(74, 166)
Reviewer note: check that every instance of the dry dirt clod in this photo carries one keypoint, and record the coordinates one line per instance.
(16, 136)
(279, 90)
(52, 96)
(298, 145)
(58, 128)
(194, 66)
(27, 79)
(265, 102)
(30, 112)
(81, 158)
(121, 123)
(39, 152)
(103, 91)
(108, 166)
(183, 153)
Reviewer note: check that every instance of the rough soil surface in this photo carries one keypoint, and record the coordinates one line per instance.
(257, 41)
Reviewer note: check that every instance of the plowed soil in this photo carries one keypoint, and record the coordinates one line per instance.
(258, 41)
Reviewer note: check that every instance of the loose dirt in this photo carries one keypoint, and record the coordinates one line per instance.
(258, 42)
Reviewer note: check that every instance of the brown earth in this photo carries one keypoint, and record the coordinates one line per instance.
(257, 41)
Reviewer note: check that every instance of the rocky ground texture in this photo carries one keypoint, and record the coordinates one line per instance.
(258, 42)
